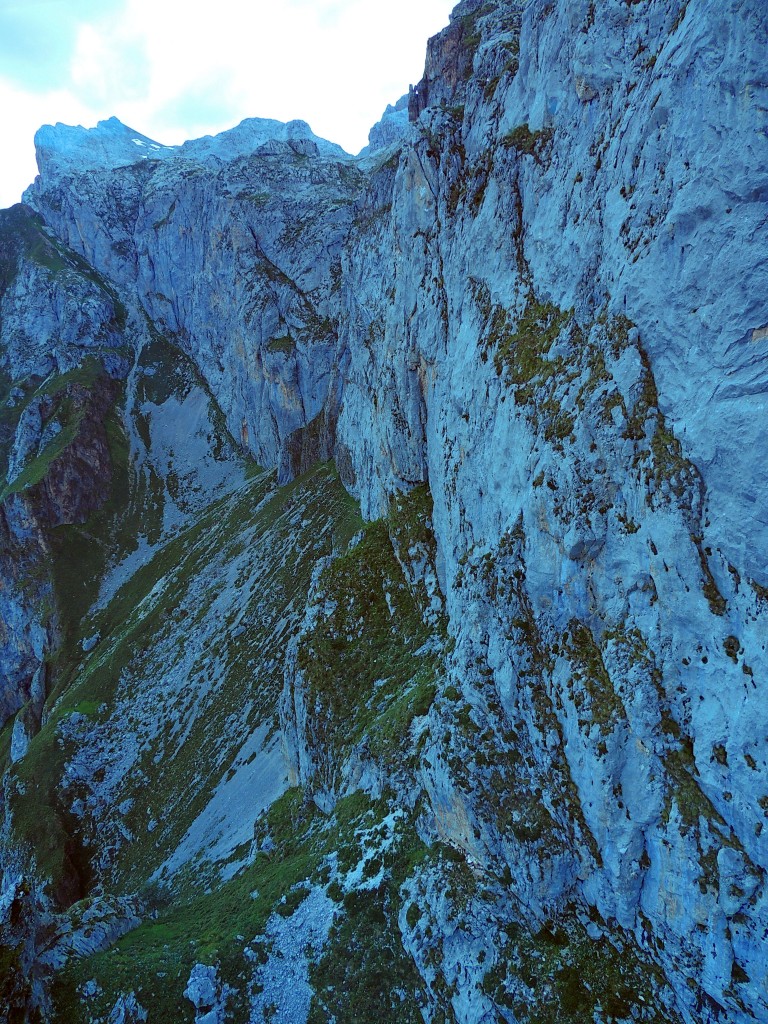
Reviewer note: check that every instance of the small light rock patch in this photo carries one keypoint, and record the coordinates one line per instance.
(128, 1010)
(374, 842)
(281, 992)
(207, 994)
(256, 778)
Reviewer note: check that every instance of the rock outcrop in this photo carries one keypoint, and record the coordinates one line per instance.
(204, 991)
(62, 341)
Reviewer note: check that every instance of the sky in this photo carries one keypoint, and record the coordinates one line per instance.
(179, 69)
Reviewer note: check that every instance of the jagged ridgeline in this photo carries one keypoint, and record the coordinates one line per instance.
(384, 548)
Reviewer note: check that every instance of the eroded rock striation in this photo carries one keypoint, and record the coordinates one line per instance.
(499, 752)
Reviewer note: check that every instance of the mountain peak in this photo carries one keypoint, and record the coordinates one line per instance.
(62, 149)
(110, 144)
(255, 133)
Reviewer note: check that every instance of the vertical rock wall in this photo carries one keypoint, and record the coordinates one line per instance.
(565, 341)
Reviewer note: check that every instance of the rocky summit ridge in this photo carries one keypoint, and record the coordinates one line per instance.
(383, 546)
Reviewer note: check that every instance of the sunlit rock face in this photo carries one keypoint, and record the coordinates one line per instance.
(522, 714)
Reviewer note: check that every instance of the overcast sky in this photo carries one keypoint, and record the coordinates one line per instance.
(178, 69)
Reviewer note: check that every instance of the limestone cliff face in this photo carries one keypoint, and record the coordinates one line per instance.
(538, 309)
(61, 335)
(232, 246)
(560, 345)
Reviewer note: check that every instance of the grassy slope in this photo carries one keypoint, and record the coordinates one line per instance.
(188, 662)
(307, 848)
(167, 648)
(202, 918)
(172, 672)
(367, 674)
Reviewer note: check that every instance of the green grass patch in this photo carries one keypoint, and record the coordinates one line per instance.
(38, 467)
(214, 927)
(360, 660)
(285, 344)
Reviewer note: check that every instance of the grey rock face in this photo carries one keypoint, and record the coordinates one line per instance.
(55, 313)
(26, 926)
(451, 54)
(204, 990)
(656, 208)
(23, 636)
(55, 309)
(110, 145)
(36, 942)
(251, 293)
(576, 453)
(390, 129)
(128, 1010)
(19, 739)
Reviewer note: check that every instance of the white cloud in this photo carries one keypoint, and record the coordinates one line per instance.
(22, 114)
(109, 65)
(174, 69)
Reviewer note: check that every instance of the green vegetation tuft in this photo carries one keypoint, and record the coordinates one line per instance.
(523, 352)
(361, 662)
(528, 143)
(591, 686)
(285, 345)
